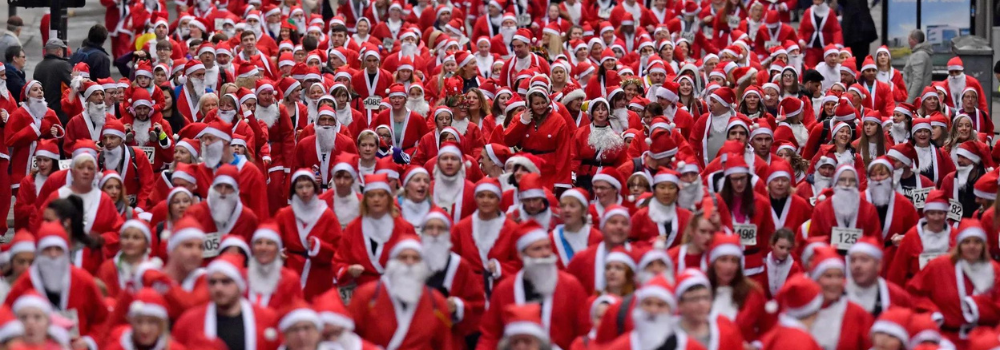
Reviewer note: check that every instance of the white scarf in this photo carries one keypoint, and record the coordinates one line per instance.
(980, 273)
(346, 208)
(863, 296)
(723, 304)
(379, 229)
(414, 212)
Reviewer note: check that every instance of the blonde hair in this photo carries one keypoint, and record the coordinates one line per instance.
(206, 97)
(363, 210)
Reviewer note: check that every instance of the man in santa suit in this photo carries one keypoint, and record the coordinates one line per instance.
(540, 281)
(302, 328)
(694, 301)
(958, 81)
(72, 291)
(215, 139)
(845, 216)
(489, 25)
(189, 94)
(222, 213)
(543, 130)
(257, 49)
(523, 58)
(501, 42)
(711, 129)
(800, 300)
(215, 76)
(399, 311)
(90, 121)
(372, 81)
(655, 327)
(228, 316)
(534, 203)
(338, 324)
(413, 125)
(450, 189)
(823, 59)
(131, 162)
(864, 285)
(309, 231)
(453, 277)
(820, 180)
(773, 33)
(149, 132)
(483, 238)
(588, 266)
(409, 46)
(845, 325)
(780, 183)
(928, 239)
(269, 283)
(25, 127)
(318, 151)
(896, 213)
(99, 213)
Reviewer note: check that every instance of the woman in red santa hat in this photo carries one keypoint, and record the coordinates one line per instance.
(895, 212)
(845, 217)
(694, 303)
(483, 238)
(366, 242)
(517, 166)
(111, 184)
(780, 182)
(185, 152)
(25, 127)
(931, 161)
(974, 161)
(928, 239)
(692, 253)
(309, 232)
(46, 158)
(415, 200)
(662, 220)
(535, 203)
(343, 198)
(845, 324)
(800, 300)
(597, 144)
(450, 188)
(981, 121)
(737, 297)
(174, 207)
(609, 190)
(541, 131)
(746, 213)
(37, 327)
(148, 325)
(961, 284)
(136, 245)
(577, 232)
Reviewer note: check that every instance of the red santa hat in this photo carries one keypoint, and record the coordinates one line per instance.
(524, 319)
(661, 145)
(227, 174)
(377, 182)
(234, 241)
(47, 148)
(883, 160)
(742, 74)
(348, 162)
(844, 113)
(246, 70)
(923, 328)
(386, 166)
(187, 228)
(921, 124)
(800, 297)
(736, 165)
(52, 234)
(530, 186)
(332, 311)
(229, 265)
(23, 242)
(528, 232)
(140, 225)
(410, 242)
(299, 312)
(193, 66)
(612, 211)
(89, 88)
(611, 176)
(903, 152)
(666, 175)
(955, 64)
(185, 172)
(412, 171)
(825, 258)
(969, 228)
(867, 245)
(114, 127)
(904, 108)
(580, 194)
(270, 231)
(437, 214)
(524, 35)
(488, 184)
(868, 63)
(140, 97)
(108, 174)
(498, 153)
(724, 96)
(894, 322)
(148, 302)
(872, 116)
(10, 326)
(220, 129)
(977, 152)
(668, 90)
(986, 187)
(939, 120)
(144, 69)
(32, 299)
(780, 168)
(724, 245)
(658, 287)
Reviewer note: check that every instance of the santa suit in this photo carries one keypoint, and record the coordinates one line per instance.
(630, 341)
(945, 285)
(550, 141)
(464, 204)
(186, 105)
(824, 220)
(789, 333)
(817, 33)
(114, 278)
(845, 326)
(162, 154)
(562, 314)
(99, 215)
(279, 134)
(355, 247)
(367, 87)
(587, 159)
(414, 127)
(788, 218)
(769, 37)
(566, 250)
(313, 265)
(702, 132)
(136, 172)
(21, 135)
(121, 339)
(588, 267)
(80, 300)
(899, 218)
(472, 232)
(382, 319)
(25, 207)
(691, 31)
(753, 253)
(776, 273)
(683, 258)
(939, 167)
(200, 323)
(251, 180)
(965, 196)
(81, 126)
(287, 290)
(918, 247)
(515, 65)
(242, 223)
(644, 228)
(955, 92)
(458, 280)
(307, 155)
(878, 297)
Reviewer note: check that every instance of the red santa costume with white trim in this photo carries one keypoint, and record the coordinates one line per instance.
(588, 266)
(845, 324)
(269, 285)
(309, 231)
(660, 221)
(844, 210)
(799, 299)
(221, 215)
(163, 149)
(879, 295)
(568, 244)
(190, 94)
(249, 176)
(921, 244)
(25, 127)
(482, 242)
(131, 163)
(786, 217)
(530, 186)
(654, 330)
(515, 64)
(956, 85)
(454, 194)
(84, 125)
(453, 277)
(319, 151)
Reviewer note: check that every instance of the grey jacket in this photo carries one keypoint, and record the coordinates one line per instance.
(7, 39)
(917, 72)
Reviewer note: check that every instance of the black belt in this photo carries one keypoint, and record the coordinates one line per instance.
(537, 152)
(593, 162)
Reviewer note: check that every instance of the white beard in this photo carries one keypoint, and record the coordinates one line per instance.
(437, 249)
(845, 203)
(690, 194)
(962, 176)
(112, 157)
(312, 109)
(408, 49)
(212, 154)
(406, 282)
(507, 34)
(653, 330)
(308, 212)
(881, 191)
(899, 131)
(447, 188)
(604, 138)
(274, 27)
(542, 273)
(897, 175)
(462, 125)
(3, 87)
(141, 131)
(198, 87)
(418, 105)
(222, 208)
(268, 114)
(227, 116)
(956, 84)
(796, 61)
(326, 137)
(264, 278)
(619, 119)
(38, 107)
(821, 182)
(97, 112)
(53, 271)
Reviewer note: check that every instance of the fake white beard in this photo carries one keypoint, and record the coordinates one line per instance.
(97, 112)
(821, 181)
(53, 271)
(141, 128)
(326, 137)
(274, 27)
(344, 115)
(256, 30)
(542, 273)
(227, 116)
(899, 130)
(264, 278)
(508, 34)
(307, 212)
(897, 175)
(604, 138)
(660, 213)
(462, 125)
(619, 119)
(406, 282)
(957, 82)
(653, 330)
(268, 114)
(437, 249)
(112, 157)
(962, 176)
(3, 87)
(312, 109)
(198, 85)
(881, 191)
(845, 203)
(418, 105)
(222, 207)
(212, 154)
(447, 188)
(795, 60)
(690, 194)
(408, 49)
(38, 107)
(185, 31)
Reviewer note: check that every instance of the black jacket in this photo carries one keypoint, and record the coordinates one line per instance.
(95, 57)
(53, 72)
(15, 81)
(857, 25)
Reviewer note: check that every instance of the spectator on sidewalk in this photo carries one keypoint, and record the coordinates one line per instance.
(859, 28)
(9, 37)
(53, 72)
(92, 53)
(918, 69)
(14, 61)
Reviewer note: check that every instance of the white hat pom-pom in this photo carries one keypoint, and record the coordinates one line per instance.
(771, 307)
(649, 141)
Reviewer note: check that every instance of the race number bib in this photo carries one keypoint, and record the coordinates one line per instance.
(771, 43)
(347, 292)
(149, 151)
(210, 248)
(372, 102)
(927, 257)
(74, 318)
(689, 36)
(65, 164)
(747, 232)
(843, 238)
(604, 13)
(524, 19)
(920, 197)
(733, 21)
(955, 211)
(132, 200)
